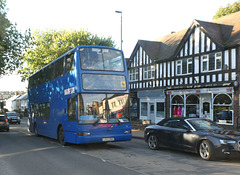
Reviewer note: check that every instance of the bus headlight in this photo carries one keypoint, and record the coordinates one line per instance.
(84, 134)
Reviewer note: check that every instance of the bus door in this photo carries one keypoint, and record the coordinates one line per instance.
(70, 125)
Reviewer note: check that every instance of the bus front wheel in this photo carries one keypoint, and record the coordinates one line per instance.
(61, 136)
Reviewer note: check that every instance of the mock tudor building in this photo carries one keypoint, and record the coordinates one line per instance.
(192, 73)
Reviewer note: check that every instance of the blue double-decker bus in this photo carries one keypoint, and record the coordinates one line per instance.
(81, 97)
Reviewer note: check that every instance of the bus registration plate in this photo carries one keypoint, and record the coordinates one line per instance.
(108, 139)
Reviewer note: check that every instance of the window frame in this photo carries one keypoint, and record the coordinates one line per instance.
(133, 74)
(149, 72)
(205, 61)
(179, 66)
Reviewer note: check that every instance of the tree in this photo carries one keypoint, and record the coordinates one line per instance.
(12, 43)
(46, 46)
(228, 10)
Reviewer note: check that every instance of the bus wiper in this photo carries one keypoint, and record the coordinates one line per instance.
(96, 122)
(119, 122)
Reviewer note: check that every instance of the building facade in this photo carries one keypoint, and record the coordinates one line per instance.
(192, 73)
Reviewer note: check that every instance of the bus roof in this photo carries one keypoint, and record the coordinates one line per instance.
(75, 48)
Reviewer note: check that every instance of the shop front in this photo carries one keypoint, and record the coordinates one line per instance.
(152, 106)
(213, 103)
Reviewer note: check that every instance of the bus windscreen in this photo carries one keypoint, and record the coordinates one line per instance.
(101, 59)
(103, 108)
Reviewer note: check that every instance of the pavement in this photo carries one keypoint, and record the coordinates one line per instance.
(138, 134)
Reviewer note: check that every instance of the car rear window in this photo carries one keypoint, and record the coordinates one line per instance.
(2, 118)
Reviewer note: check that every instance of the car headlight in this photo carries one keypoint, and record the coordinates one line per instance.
(227, 141)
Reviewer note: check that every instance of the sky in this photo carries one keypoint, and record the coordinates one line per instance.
(141, 20)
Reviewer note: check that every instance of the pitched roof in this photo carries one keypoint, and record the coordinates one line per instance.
(225, 31)
(164, 47)
(230, 27)
(213, 30)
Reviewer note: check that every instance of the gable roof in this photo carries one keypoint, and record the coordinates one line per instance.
(230, 27)
(164, 47)
(225, 31)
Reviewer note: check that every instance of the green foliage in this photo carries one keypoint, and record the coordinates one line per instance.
(3, 111)
(12, 43)
(228, 10)
(46, 46)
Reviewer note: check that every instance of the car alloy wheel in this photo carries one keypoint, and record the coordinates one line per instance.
(206, 150)
(153, 142)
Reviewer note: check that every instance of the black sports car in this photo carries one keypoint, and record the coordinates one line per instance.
(196, 135)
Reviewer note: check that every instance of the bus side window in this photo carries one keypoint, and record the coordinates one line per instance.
(71, 109)
(30, 84)
(36, 110)
(42, 110)
(47, 111)
(49, 72)
(59, 68)
(42, 77)
(69, 63)
(35, 79)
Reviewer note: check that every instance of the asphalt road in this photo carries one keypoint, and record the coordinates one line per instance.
(24, 154)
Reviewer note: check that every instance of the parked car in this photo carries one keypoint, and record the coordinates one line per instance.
(4, 124)
(13, 117)
(197, 135)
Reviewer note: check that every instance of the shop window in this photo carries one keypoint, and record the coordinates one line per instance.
(144, 109)
(133, 109)
(160, 110)
(177, 106)
(192, 106)
(222, 109)
(206, 107)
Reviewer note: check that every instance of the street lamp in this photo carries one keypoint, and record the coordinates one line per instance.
(121, 26)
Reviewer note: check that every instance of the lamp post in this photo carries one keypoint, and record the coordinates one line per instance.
(121, 26)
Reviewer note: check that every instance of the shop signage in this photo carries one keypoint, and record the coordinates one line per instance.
(202, 91)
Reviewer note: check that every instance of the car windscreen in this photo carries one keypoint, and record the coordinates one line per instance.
(204, 124)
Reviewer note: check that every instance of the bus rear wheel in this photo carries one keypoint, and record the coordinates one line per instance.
(61, 136)
(35, 130)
